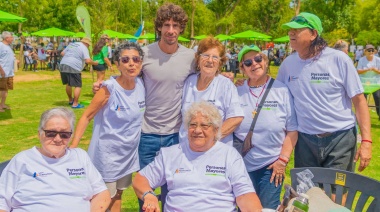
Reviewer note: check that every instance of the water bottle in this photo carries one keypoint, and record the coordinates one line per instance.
(300, 204)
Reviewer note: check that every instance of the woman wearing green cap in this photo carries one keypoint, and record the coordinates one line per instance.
(274, 134)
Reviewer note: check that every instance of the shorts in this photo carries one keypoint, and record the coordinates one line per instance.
(6, 83)
(73, 80)
(121, 184)
(100, 67)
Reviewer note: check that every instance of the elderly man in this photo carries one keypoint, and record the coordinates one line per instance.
(324, 84)
(71, 66)
(7, 58)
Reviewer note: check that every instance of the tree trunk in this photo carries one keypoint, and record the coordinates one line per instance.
(298, 7)
(194, 4)
(22, 39)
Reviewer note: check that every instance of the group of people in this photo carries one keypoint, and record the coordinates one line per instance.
(178, 123)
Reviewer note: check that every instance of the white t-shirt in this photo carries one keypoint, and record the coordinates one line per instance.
(322, 89)
(275, 118)
(365, 64)
(221, 92)
(116, 132)
(41, 53)
(199, 181)
(28, 59)
(75, 56)
(33, 182)
(7, 58)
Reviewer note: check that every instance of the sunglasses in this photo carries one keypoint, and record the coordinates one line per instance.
(301, 20)
(370, 50)
(257, 59)
(52, 134)
(135, 59)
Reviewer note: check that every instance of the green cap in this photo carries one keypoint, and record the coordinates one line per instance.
(303, 20)
(247, 49)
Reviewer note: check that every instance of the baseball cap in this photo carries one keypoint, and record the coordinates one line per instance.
(247, 49)
(86, 41)
(369, 46)
(304, 20)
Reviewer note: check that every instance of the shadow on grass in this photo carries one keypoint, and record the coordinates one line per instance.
(6, 115)
(61, 103)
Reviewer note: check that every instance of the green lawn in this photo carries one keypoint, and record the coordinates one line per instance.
(36, 92)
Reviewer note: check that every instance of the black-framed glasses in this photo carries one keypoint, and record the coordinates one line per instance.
(258, 59)
(126, 59)
(52, 134)
(301, 20)
(202, 126)
(207, 56)
(370, 50)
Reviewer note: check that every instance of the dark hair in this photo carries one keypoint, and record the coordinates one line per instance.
(209, 43)
(99, 45)
(168, 11)
(127, 45)
(317, 45)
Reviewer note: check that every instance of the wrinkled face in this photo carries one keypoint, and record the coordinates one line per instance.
(170, 32)
(301, 39)
(201, 133)
(209, 61)
(55, 146)
(8, 39)
(257, 69)
(129, 63)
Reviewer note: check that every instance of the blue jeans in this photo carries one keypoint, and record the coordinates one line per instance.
(267, 192)
(150, 145)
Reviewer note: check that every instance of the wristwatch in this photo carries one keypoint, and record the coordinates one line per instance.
(147, 192)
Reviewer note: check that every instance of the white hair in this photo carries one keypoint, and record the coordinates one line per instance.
(63, 112)
(6, 34)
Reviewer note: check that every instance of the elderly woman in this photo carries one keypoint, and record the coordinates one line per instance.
(274, 134)
(100, 53)
(209, 86)
(53, 177)
(202, 174)
(118, 108)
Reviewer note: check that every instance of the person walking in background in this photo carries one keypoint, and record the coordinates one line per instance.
(73, 60)
(7, 58)
(358, 55)
(369, 72)
(341, 45)
(100, 55)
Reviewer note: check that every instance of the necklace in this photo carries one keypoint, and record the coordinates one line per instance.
(254, 112)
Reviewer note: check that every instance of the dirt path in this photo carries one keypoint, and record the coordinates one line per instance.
(22, 76)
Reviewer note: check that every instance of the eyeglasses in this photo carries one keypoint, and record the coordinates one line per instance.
(301, 20)
(202, 126)
(52, 134)
(207, 57)
(370, 50)
(135, 59)
(258, 59)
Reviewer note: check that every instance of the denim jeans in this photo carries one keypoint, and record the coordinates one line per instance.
(267, 192)
(150, 145)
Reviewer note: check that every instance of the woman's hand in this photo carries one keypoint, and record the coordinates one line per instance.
(278, 174)
(151, 204)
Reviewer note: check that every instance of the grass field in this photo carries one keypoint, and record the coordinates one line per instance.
(34, 92)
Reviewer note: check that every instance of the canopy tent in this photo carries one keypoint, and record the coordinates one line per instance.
(79, 35)
(284, 39)
(53, 32)
(180, 38)
(200, 37)
(261, 39)
(251, 34)
(25, 34)
(114, 34)
(222, 37)
(148, 36)
(7, 17)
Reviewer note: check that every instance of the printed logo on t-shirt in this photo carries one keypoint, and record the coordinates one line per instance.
(182, 170)
(215, 170)
(41, 174)
(121, 108)
(141, 105)
(319, 77)
(292, 78)
(76, 173)
(270, 105)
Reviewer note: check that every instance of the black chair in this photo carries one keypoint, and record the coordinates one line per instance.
(345, 182)
(27, 63)
(3, 165)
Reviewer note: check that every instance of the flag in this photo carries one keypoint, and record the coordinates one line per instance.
(84, 20)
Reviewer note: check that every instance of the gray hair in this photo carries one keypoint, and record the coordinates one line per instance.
(63, 112)
(6, 34)
(341, 45)
(207, 110)
(127, 45)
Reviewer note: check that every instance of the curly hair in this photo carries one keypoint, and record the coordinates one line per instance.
(170, 11)
(127, 46)
(99, 45)
(207, 44)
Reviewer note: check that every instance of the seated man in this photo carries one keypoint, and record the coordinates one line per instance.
(29, 58)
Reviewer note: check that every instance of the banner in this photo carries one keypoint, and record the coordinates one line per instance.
(84, 20)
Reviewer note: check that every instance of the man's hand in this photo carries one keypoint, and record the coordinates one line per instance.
(229, 75)
(364, 153)
(2, 73)
(239, 82)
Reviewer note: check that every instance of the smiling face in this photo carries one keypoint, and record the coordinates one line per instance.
(170, 32)
(209, 62)
(201, 133)
(129, 63)
(54, 147)
(300, 39)
(257, 71)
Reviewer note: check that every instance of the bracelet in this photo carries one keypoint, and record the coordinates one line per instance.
(369, 141)
(283, 160)
(146, 193)
(284, 157)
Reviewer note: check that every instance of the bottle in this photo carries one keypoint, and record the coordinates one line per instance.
(300, 204)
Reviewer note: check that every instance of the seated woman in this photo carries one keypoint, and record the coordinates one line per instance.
(202, 174)
(53, 177)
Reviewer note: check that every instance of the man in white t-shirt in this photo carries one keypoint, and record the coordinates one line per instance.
(7, 58)
(325, 85)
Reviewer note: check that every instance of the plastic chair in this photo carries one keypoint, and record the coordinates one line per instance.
(27, 63)
(3, 165)
(353, 183)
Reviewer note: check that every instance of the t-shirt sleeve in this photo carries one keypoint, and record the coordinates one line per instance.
(105, 52)
(351, 80)
(86, 54)
(94, 177)
(291, 119)
(360, 65)
(232, 104)
(238, 175)
(8, 185)
(155, 172)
